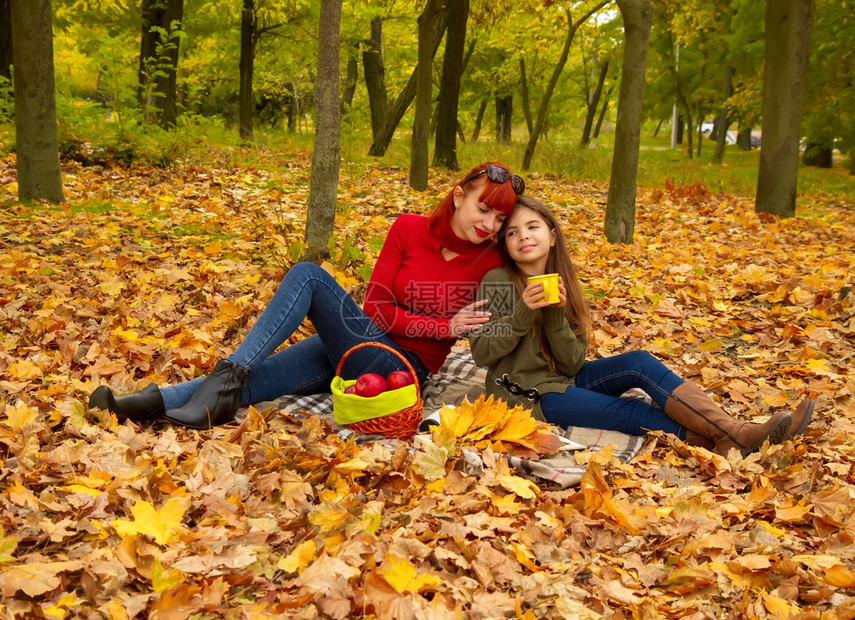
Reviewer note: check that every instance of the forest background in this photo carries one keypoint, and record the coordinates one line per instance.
(176, 227)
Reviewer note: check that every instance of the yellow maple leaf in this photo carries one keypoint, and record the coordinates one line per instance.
(162, 525)
(491, 423)
(519, 486)
(351, 466)
(793, 513)
(518, 424)
(112, 288)
(430, 461)
(458, 421)
(59, 609)
(525, 556)
(777, 532)
(817, 364)
(19, 416)
(839, 576)
(24, 370)
(128, 335)
(80, 488)
(778, 607)
(329, 517)
(162, 579)
(404, 577)
(8, 545)
(486, 417)
(302, 555)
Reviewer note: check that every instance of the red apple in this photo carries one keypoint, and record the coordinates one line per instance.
(399, 379)
(370, 384)
(351, 389)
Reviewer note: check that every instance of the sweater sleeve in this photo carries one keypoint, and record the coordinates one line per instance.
(381, 304)
(568, 349)
(511, 319)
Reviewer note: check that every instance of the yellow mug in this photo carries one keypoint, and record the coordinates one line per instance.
(550, 286)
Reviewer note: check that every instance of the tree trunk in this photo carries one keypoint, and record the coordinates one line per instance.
(619, 225)
(399, 107)
(680, 128)
(788, 24)
(701, 112)
(690, 123)
(294, 108)
(35, 105)
(572, 27)
(526, 101)
(350, 81)
(424, 92)
(603, 109)
(743, 139)
(593, 101)
(445, 147)
(326, 161)
(148, 39)
(157, 91)
(168, 83)
(375, 77)
(478, 118)
(5, 40)
(700, 138)
(245, 68)
(504, 117)
(723, 122)
(460, 133)
(818, 155)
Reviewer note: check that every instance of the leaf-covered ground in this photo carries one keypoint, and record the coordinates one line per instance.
(153, 275)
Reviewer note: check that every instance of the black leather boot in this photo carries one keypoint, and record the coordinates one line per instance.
(140, 407)
(215, 401)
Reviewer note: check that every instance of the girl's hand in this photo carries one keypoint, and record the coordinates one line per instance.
(469, 318)
(562, 294)
(533, 296)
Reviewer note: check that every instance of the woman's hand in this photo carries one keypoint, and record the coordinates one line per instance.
(469, 318)
(562, 294)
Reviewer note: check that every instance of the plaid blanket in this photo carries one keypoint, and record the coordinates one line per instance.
(459, 378)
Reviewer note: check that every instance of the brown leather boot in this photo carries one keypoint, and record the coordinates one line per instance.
(690, 406)
(801, 418)
(695, 439)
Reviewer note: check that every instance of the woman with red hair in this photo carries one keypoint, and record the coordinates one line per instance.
(420, 299)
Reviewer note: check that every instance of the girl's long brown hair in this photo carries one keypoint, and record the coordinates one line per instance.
(577, 311)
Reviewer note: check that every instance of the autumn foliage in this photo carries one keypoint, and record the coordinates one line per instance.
(151, 275)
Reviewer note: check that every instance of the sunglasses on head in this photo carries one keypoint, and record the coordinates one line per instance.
(497, 174)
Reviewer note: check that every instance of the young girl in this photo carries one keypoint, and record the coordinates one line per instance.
(420, 299)
(535, 354)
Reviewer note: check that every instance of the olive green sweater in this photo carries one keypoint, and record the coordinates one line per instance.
(510, 343)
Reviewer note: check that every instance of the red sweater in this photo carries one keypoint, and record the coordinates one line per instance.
(414, 292)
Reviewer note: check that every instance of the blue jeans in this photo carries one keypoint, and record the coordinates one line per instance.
(308, 366)
(595, 401)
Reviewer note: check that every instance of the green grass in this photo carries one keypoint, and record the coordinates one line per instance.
(556, 154)
(93, 206)
(560, 155)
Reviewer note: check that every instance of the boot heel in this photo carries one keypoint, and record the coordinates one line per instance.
(780, 430)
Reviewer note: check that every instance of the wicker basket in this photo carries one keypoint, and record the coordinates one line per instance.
(399, 424)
